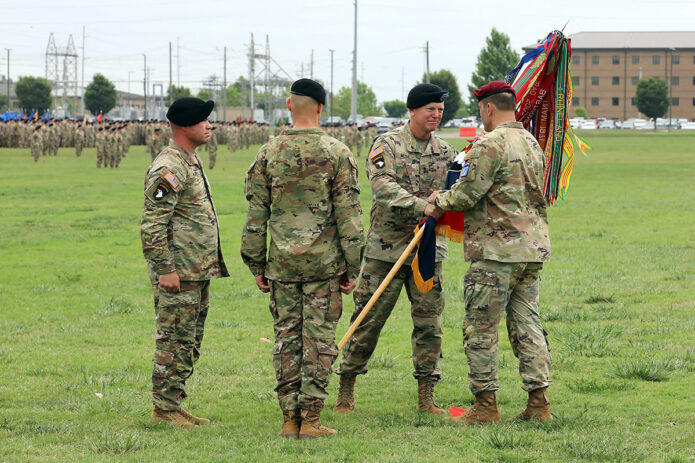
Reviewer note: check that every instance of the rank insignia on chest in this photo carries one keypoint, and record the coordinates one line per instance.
(466, 167)
(162, 190)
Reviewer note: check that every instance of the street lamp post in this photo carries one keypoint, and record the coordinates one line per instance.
(331, 109)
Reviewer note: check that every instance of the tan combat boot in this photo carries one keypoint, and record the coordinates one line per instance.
(484, 410)
(346, 397)
(425, 397)
(536, 407)
(193, 418)
(292, 420)
(311, 426)
(172, 417)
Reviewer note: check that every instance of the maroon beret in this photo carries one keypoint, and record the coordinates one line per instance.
(493, 88)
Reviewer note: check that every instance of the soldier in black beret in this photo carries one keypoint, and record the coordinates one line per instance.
(181, 245)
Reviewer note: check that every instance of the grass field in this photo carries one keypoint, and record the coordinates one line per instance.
(77, 328)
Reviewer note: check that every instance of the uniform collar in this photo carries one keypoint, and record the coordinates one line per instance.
(190, 158)
(293, 131)
(511, 125)
(411, 141)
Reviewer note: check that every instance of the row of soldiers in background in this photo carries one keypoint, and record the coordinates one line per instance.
(67, 133)
(353, 136)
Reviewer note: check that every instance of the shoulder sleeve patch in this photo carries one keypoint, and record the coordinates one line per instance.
(376, 151)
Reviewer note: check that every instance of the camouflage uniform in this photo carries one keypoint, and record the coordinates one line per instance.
(403, 173)
(506, 238)
(211, 148)
(179, 233)
(36, 144)
(101, 147)
(79, 141)
(316, 236)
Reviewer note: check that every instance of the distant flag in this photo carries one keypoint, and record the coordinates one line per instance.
(100, 117)
(84, 119)
(95, 120)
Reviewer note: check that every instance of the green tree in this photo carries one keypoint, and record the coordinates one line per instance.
(445, 79)
(462, 112)
(100, 95)
(580, 111)
(395, 108)
(204, 94)
(33, 93)
(3, 103)
(174, 93)
(652, 97)
(495, 61)
(366, 101)
(233, 94)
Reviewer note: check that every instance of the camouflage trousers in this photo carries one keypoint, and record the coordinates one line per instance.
(493, 288)
(426, 311)
(305, 315)
(101, 158)
(78, 150)
(213, 159)
(180, 319)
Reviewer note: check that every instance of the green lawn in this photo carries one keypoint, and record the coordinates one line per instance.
(77, 328)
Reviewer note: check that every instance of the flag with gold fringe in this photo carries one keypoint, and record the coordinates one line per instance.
(424, 260)
(543, 87)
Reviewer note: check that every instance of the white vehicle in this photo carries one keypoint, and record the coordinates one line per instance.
(588, 124)
(688, 126)
(633, 123)
(468, 122)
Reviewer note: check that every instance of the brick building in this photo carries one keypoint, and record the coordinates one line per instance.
(606, 67)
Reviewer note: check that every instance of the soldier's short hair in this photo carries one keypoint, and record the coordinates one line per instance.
(503, 101)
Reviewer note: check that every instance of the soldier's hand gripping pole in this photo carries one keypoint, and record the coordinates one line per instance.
(381, 288)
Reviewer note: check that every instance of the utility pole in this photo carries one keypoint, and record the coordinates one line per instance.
(252, 76)
(8, 77)
(83, 37)
(427, 62)
(331, 109)
(170, 79)
(144, 85)
(224, 88)
(670, 91)
(403, 83)
(178, 63)
(354, 71)
(312, 64)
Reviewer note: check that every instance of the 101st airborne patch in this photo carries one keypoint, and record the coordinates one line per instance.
(166, 183)
(377, 157)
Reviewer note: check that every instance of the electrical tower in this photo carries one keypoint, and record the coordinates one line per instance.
(265, 72)
(61, 68)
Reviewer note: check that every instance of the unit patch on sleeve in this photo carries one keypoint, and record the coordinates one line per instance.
(163, 189)
(466, 167)
(377, 157)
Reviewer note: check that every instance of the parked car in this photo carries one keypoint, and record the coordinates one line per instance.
(608, 124)
(633, 123)
(589, 124)
(688, 126)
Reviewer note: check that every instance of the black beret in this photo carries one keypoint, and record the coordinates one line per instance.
(189, 111)
(308, 87)
(422, 94)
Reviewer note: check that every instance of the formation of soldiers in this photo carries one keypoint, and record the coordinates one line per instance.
(113, 139)
(353, 136)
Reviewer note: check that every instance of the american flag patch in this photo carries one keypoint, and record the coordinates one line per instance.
(173, 181)
(376, 151)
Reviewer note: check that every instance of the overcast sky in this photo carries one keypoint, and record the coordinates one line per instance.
(391, 35)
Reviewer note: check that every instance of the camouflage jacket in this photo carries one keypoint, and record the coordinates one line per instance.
(402, 178)
(303, 186)
(501, 190)
(179, 227)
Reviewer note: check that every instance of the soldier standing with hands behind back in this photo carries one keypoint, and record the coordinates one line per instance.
(506, 240)
(303, 186)
(404, 166)
(181, 243)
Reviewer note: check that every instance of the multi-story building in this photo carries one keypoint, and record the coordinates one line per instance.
(606, 67)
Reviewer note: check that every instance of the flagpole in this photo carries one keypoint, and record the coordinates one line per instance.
(382, 287)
